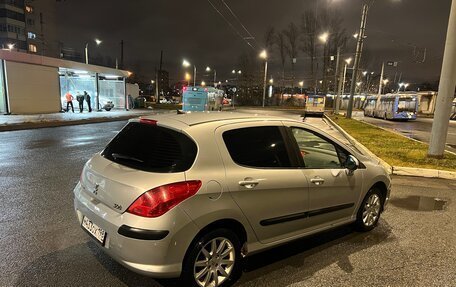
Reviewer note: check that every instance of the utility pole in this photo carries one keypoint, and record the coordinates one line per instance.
(339, 90)
(446, 91)
(359, 50)
(264, 82)
(122, 54)
(381, 79)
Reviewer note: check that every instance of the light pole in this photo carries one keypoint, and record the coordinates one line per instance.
(98, 42)
(187, 78)
(264, 56)
(324, 39)
(301, 84)
(347, 62)
(187, 64)
(208, 69)
(385, 82)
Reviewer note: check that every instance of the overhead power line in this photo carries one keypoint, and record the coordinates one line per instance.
(231, 25)
(239, 21)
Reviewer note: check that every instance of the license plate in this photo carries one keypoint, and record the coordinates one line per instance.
(98, 233)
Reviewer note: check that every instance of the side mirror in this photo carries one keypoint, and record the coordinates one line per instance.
(351, 163)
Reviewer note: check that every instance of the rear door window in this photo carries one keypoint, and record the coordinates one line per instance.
(258, 147)
(151, 148)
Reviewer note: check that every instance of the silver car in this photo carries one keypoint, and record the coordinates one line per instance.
(190, 195)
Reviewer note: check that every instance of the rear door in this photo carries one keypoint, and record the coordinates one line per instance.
(332, 190)
(263, 177)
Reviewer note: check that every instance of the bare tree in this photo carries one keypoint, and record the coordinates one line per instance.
(269, 38)
(280, 43)
(291, 46)
(308, 39)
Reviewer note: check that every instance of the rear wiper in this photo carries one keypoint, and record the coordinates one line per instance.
(125, 157)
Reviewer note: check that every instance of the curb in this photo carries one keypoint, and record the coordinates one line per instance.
(60, 123)
(396, 170)
(51, 124)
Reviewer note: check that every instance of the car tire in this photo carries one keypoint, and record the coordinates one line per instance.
(200, 265)
(370, 210)
(108, 109)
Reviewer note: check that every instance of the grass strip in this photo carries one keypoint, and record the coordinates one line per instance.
(395, 149)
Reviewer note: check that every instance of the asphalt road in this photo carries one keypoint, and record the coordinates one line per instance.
(41, 243)
(419, 129)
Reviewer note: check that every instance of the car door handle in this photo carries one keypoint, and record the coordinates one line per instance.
(249, 183)
(317, 180)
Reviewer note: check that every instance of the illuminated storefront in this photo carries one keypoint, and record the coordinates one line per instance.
(33, 84)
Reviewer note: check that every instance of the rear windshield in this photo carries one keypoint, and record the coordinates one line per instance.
(151, 148)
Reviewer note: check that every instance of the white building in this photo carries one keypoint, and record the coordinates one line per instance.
(33, 84)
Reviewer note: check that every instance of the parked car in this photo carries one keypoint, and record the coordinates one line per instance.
(190, 195)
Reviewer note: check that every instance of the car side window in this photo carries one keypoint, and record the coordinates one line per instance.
(259, 147)
(316, 151)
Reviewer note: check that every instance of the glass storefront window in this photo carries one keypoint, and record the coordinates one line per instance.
(75, 82)
(114, 91)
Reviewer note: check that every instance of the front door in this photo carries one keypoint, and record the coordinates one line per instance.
(264, 179)
(332, 189)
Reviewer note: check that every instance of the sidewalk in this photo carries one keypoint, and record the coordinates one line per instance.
(21, 122)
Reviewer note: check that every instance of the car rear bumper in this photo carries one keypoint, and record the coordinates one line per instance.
(150, 246)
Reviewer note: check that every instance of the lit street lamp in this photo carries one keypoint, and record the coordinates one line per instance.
(203, 83)
(208, 69)
(301, 84)
(187, 64)
(264, 55)
(10, 46)
(98, 42)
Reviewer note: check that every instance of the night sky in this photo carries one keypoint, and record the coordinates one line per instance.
(195, 31)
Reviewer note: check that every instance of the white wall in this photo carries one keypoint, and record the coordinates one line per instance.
(32, 89)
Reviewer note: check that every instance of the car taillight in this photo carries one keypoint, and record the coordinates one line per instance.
(160, 200)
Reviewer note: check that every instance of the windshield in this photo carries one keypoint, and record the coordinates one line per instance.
(406, 105)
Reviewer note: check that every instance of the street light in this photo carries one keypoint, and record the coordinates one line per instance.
(98, 42)
(208, 69)
(385, 81)
(187, 64)
(187, 78)
(264, 56)
(203, 83)
(324, 37)
(10, 46)
(301, 84)
(271, 81)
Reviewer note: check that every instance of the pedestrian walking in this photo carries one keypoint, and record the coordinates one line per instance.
(87, 99)
(80, 99)
(69, 101)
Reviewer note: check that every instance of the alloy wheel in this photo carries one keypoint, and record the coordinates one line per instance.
(214, 263)
(371, 210)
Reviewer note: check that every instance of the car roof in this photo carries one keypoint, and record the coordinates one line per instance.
(197, 118)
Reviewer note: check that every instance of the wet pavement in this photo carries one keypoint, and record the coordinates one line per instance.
(419, 129)
(41, 243)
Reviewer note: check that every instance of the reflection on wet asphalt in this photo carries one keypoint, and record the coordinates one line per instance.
(420, 203)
